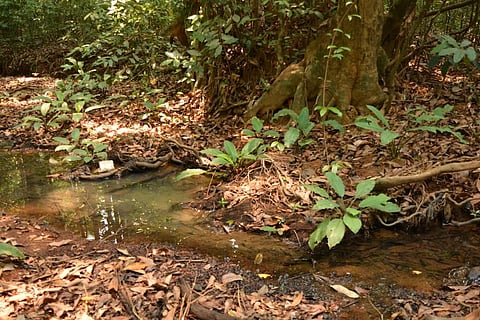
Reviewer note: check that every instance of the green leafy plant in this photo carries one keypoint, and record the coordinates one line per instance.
(324, 111)
(419, 119)
(70, 101)
(78, 149)
(231, 157)
(347, 214)
(299, 127)
(450, 53)
(260, 131)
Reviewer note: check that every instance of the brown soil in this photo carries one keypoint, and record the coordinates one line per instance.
(71, 278)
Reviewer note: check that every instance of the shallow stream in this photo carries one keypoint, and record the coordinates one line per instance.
(150, 207)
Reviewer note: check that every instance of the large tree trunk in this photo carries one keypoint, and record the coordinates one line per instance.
(349, 83)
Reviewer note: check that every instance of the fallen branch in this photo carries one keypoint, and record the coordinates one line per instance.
(463, 223)
(389, 182)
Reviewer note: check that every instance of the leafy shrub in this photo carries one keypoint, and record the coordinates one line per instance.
(419, 119)
(84, 150)
(299, 127)
(450, 53)
(334, 229)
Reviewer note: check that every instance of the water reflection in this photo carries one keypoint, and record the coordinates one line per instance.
(148, 207)
(98, 210)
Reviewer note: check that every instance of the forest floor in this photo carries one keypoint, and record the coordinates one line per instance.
(70, 278)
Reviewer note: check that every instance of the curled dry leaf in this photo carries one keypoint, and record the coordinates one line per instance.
(60, 243)
(231, 277)
(341, 289)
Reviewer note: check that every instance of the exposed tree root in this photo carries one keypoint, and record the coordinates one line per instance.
(389, 182)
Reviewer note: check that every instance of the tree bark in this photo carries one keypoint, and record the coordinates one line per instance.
(349, 82)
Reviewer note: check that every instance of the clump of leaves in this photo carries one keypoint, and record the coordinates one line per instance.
(70, 101)
(419, 119)
(348, 214)
(299, 127)
(81, 149)
(259, 131)
(325, 111)
(231, 157)
(451, 53)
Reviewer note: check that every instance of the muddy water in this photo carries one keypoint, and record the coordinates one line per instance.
(149, 207)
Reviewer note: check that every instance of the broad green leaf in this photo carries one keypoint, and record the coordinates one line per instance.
(102, 155)
(228, 39)
(73, 158)
(218, 51)
(77, 116)
(248, 132)
(213, 152)
(352, 211)
(335, 232)
(323, 204)
(257, 124)
(189, 173)
(387, 136)
(451, 41)
(37, 125)
(278, 145)
(336, 183)
(250, 146)
(80, 152)
(335, 111)
(249, 157)
(11, 251)
(194, 53)
(303, 118)
(65, 147)
(87, 159)
(335, 125)
(447, 51)
(458, 56)
(268, 229)
(100, 147)
(379, 202)
(317, 236)
(272, 133)
(285, 112)
(368, 123)
(364, 188)
(354, 223)
(44, 108)
(307, 128)
(465, 43)
(231, 150)
(291, 136)
(379, 115)
(316, 189)
(305, 142)
(61, 140)
(471, 54)
(223, 161)
(75, 134)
